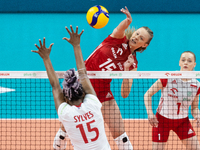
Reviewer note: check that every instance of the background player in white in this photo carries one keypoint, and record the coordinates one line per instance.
(77, 106)
(172, 113)
(117, 53)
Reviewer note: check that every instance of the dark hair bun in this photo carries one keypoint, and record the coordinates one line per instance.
(72, 89)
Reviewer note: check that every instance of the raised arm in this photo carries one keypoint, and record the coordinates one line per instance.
(119, 31)
(148, 101)
(195, 110)
(74, 40)
(44, 54)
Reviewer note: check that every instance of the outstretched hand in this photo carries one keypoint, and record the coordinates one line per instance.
(127, 13)
(42, 50)
(74, 39)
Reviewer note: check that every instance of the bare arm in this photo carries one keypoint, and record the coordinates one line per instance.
(74, 40)
(44, 54)
(127, 83)
(126, 86)
(148, 101)
(195, 110)
(119, 31)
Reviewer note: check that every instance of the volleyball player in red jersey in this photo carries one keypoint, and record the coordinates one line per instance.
(177, 95)
(117, 53)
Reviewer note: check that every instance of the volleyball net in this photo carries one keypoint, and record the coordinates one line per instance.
(29, 119)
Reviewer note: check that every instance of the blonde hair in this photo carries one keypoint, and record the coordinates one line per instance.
(129, 31)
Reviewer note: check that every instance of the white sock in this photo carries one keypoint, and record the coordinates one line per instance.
(60, 142)
(123, 142)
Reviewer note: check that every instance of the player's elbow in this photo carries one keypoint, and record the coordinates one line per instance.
(146, 96)
(124, 94)
(194, 109)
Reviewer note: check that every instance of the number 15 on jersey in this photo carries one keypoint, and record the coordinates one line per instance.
(83, 134)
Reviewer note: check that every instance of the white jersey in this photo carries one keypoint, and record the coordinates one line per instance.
(176, 97)
(84, 124)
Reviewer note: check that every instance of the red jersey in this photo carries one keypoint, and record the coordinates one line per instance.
(110, 55)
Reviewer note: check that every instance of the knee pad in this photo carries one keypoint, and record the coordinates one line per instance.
(123, 142)
(60, 141)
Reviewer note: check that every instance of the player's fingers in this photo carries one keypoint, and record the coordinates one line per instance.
(130, 56)
(67, 39)
(155, 119)
(72, 29)
(40, 43)
(152, 124)
(34, 51)
(127, 13)
(155, 122)
(150, 121)
(44, 41)
(76, 29)
(131, 60)
(51, 45)
(198, 123)
(81, 33)
(67, 30)
(122, 10)
(37, 46)
(127, 10)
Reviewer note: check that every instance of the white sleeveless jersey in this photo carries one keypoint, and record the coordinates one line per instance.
(176, 97)
(84, 124)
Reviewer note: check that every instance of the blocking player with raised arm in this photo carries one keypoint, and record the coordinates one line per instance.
(117, 53)
(172, 113)
(77, 106)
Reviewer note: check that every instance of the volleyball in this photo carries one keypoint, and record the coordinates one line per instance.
(97, 16)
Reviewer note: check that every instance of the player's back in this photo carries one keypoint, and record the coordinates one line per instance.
(84, 124)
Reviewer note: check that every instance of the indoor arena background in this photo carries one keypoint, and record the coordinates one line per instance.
(22, 23)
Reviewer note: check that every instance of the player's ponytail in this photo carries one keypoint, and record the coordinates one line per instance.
(72, 89)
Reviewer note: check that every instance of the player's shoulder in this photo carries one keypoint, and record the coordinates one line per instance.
(164, 82)
(92, 99)
(63, 108)
(116, 40)
(195, 81)
(171, 81)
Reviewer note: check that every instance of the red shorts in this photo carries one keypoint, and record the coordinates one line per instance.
(182, 127)
(102, 89)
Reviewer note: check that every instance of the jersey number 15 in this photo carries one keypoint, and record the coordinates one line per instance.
(80, 126)
(107, 66)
